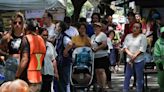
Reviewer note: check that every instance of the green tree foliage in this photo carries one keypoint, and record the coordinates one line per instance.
(70, 8)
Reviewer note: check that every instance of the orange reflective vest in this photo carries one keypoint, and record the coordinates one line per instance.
(37, 53)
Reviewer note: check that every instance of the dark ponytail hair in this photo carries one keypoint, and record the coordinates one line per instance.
(63, 26)
(96, 14)
(31, 26)
(109, 32)
(81, 24)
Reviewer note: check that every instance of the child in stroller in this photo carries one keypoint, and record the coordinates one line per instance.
(82, 66)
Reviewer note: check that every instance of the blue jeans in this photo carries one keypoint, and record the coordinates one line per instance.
(112, 57)
(11, 65)
(139, 67)
(64, 78)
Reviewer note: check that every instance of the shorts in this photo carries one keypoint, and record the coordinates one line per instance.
(101, 62)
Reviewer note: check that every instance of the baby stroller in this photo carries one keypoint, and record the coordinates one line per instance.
(82, 69)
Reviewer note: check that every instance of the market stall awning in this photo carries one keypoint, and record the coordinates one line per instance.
(31, 4)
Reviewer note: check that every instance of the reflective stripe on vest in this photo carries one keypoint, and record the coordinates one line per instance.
(37, 53)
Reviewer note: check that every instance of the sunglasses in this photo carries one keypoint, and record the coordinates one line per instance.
(17, 22)
(45, 35)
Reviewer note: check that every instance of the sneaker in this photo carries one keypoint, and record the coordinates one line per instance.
(91, 87)
(133, 87)
(117, 68)
(109, 85)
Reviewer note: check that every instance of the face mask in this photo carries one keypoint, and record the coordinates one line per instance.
(57, 33)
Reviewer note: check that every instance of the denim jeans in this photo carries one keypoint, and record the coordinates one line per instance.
(139, 75)
(64, 78)
(112, 57)
(11, 65)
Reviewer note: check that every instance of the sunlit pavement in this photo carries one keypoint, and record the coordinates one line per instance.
(118, 78)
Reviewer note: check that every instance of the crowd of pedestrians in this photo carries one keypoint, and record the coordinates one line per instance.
(41, 55)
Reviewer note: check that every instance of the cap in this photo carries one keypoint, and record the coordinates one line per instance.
(162, 29)
(98, 24)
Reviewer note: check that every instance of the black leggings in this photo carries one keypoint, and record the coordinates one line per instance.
(46, 83)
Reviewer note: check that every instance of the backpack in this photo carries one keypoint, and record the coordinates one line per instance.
(60, 48)
(99, 43)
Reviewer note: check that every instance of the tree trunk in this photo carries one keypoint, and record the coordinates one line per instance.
(77, 4)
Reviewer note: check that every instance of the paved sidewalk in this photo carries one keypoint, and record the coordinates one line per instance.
(118, 79)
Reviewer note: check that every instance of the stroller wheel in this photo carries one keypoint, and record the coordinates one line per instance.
(79, 90)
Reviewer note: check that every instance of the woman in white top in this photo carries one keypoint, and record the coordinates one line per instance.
(99, 45)
(49, 70)
(135, 45)
(111, 50)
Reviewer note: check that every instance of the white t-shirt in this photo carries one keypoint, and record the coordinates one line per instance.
(72, 31)
(52, 34)
(110, 45)
(66, 40)
(134, 44)
(51, 54)
(99, 38)
(148, 32)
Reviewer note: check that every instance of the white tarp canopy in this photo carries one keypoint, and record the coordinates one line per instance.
(31, 4)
